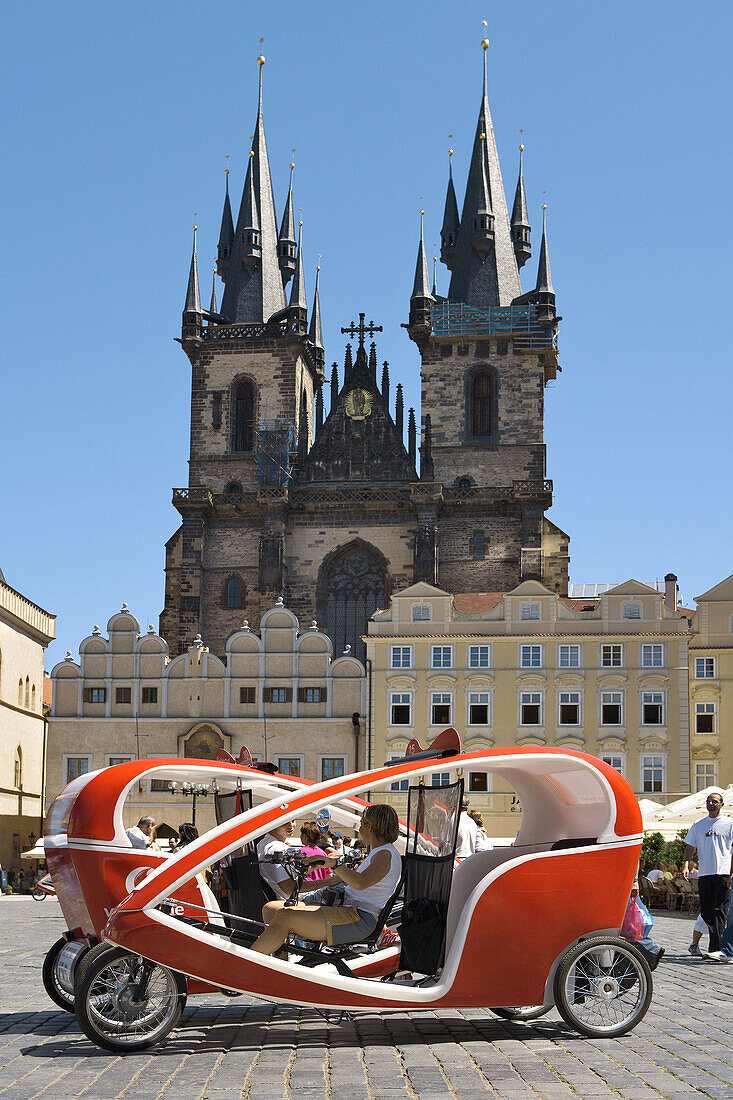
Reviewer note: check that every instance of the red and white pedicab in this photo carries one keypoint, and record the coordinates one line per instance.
(516, 929)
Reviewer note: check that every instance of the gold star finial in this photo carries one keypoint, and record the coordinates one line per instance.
(318, 265)
(195, 216)
(261, 58)
(484, 40)
(292, 162)
(226, 170)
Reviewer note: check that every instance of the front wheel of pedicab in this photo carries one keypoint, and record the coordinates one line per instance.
(59, 970)
(603, 987)
(522, 1012)
(126, 1003)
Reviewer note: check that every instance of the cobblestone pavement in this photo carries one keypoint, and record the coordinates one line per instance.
(241, 1048)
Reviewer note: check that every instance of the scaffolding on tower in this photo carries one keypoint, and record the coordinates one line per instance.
(277, 450)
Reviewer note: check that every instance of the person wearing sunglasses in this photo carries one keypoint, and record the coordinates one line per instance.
(712, 836)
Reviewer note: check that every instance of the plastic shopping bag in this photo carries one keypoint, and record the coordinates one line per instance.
(634, 925)
(648, 918)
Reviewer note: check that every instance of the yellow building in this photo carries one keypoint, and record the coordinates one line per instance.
(607, 675)
(711, 687)
(25, 631)
(280, 692)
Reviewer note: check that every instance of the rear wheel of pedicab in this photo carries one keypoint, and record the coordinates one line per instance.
(603, 987)
(522, 1012)
(38, 893)
(126, 1003)
(59, 969)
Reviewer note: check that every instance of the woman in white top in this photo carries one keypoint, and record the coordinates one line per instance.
(346, 907)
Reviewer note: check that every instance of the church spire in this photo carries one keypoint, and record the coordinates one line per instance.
(297, 290)
(544, 290)
(451, 221)
(254, 287)
(226, 233)
(212, 305)
(286, 247)
(520, 219)
(421, 298)
(484, 271)
(315, 331)
(192, 316)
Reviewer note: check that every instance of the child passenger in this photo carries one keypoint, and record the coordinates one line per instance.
(346, 907)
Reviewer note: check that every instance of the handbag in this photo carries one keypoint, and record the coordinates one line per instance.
(634, 925)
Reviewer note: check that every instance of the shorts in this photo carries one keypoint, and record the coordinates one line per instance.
(346, 924)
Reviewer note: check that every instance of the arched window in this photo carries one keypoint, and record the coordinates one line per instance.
(463, 483)
(33, 697)
(352, 585)
(20, 693)
(27, 692)
(233, 487)
(243, 417)
(18, 769)
(234, 592)
(481, 404)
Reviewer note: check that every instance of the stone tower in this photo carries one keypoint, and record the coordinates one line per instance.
(335, 511)
(487, 353)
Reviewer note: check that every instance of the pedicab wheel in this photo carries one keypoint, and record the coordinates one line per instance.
(603, 987)
(522, 1012)
(59, 968)
(38, 894)
(115, 1012)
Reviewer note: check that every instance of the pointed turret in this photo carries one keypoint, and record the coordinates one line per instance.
(334, 385)
(315, 332)
(435, 277)
(348, 363)
(485, 270)
(213, 309)
(399, 411)
(520, 219)
(385, 384)
(319, 409)
(451, 222)
(373, 360)
(545, 295)
(192, 317)
(226, 233)
(254, 287)
(297, 290)
(411, 436)
(286, 246)
(427, 469)
(421, 298)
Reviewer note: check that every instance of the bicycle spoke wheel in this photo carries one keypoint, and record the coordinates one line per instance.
(603, 987)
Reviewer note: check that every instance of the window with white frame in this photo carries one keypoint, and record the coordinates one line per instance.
(652, 708)
(704, 668)
(400, 656)
(441, 708)
(112, 761)
(631, 610)
(704, 717)
(612, 706)
(420, 612)
(74, 766)
(705, 774)
(479, 656)
(652, 655)
(569, 708)
(653, 768)
(612, 656)
(478, 782)
(530, 656)
(440, 779)
(400, 708)
(530, 611)
(400, 786)
(289, 765)
(568, 656)
(616, 761)
(331, 767)
(479, 708)
(441, 656)
(530, 708)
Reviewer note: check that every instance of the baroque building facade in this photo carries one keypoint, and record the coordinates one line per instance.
(25, 631)
(335, 512)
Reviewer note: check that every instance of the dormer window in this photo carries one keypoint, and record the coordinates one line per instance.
(420, 612)
(631, 610)
(530, 611)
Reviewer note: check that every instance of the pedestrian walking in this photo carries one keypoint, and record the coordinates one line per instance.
(712, 836)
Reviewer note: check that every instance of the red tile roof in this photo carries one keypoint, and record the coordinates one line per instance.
(472, 603)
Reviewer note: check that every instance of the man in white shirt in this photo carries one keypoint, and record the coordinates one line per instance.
(655, 875)
(141, 835)
(275, 874)
(713, 838)
(467, 833)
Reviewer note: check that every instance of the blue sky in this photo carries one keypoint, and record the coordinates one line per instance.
(120, 118)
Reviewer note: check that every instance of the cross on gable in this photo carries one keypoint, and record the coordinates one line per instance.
(361, 329)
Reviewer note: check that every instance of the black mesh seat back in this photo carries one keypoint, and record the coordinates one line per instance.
(245, 893)
(227, 806)
(432, 835)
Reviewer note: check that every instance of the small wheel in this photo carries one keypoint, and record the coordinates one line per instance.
(603, 987)
(38, 894)
(522, 1012)
(59, 968)
(115, 1013)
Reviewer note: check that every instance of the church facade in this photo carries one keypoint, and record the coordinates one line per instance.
(335, 512)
